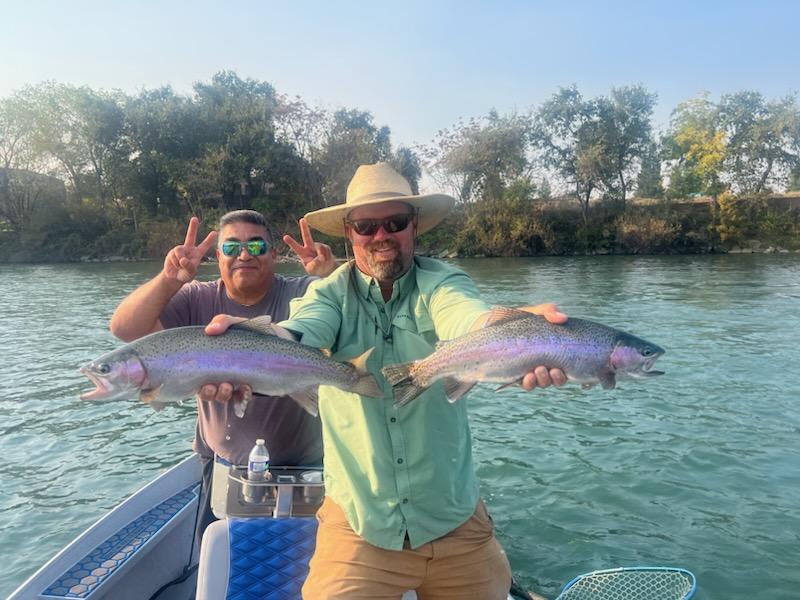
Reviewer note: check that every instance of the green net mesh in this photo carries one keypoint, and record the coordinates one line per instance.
(631, 585)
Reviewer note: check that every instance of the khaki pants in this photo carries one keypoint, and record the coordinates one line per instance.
(466, 564)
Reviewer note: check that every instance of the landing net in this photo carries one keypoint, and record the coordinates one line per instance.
(631, 583)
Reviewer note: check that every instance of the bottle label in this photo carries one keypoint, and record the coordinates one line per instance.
(257, 466)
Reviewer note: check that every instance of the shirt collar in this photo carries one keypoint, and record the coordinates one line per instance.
(367, 285)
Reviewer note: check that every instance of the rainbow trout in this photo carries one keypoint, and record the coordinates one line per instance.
(514, 341)
(172, 365)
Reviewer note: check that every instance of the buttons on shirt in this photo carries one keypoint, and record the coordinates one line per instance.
(399, 461)
(405, 500)
(393, 419)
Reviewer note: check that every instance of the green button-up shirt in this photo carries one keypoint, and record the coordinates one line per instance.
(393, 471)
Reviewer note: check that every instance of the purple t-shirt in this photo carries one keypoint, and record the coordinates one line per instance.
(293, 437)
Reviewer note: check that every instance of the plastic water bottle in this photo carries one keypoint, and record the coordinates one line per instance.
(258, 462)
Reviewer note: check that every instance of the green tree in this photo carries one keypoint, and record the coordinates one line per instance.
(303, 128)
(166, 137)
(697, 148)
(570, 139)
(624, 119)
(482, 157)
(794, 180)
(16, 159)
(406, 162)
(239, 117)
(763, 140)
(352, 139)
(80, 129)
(649, 183)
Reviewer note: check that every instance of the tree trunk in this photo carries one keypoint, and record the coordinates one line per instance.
(762, 182)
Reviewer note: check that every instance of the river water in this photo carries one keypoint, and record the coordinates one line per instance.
(699, 468)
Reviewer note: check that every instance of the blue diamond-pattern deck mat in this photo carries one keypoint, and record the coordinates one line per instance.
(87, 574)
(269, 557)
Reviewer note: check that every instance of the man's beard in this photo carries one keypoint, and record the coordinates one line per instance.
(385, 270)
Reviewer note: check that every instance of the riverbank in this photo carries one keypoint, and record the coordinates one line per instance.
(522, 229)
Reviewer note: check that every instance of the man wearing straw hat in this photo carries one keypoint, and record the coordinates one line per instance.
(402, 508)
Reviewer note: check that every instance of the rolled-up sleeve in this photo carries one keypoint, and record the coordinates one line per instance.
(455, 305)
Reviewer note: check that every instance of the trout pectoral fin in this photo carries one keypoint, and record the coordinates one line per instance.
(509, 384)
(151, 397)
(587, 386)
(308, 399)
(608, 381)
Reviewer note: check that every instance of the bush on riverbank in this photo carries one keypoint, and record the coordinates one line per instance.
(516, 225)
(531, 228)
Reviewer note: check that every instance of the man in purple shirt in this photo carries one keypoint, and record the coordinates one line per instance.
(247, 287)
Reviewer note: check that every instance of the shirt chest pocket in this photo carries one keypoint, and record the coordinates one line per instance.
(419, 326)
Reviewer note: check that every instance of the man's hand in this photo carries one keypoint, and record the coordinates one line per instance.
(316, 257)
(182, 261)
(540, 376)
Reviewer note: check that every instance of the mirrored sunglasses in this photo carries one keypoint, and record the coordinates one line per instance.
(255, 247)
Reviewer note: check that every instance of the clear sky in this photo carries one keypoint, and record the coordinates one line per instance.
(417, 66)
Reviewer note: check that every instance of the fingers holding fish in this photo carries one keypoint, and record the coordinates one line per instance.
(542, 377)
(221, 323)
(240, 395)
(549, 311)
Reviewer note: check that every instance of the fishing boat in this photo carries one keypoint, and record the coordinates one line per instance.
(144, 549)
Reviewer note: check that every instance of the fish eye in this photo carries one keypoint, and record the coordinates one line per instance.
(647, 351)
(104, 369)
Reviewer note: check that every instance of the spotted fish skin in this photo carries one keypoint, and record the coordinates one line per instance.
(513, 343)
(172, 365)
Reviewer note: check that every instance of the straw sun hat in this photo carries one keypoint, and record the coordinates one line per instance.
(376, 184)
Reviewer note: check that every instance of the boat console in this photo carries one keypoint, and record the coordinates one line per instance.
(286, 492)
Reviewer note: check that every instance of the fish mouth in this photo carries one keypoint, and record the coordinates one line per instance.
(102, 389)
(647, 367)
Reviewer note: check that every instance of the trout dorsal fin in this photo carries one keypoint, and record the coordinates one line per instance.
(262, 325)
(360, 362)
(503, 314)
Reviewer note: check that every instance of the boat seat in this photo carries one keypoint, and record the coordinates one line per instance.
(255, 559)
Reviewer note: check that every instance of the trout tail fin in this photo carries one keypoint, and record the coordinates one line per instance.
(366, 384)
(404, 387)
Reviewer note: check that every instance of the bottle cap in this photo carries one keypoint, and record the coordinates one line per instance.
(259, 442)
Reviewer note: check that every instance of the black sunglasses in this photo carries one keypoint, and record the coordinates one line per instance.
(391, 224)
(255, 247)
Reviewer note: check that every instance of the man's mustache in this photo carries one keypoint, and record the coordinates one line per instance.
(386, 245)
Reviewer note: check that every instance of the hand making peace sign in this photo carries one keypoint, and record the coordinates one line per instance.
(317, 258)
(182, 261)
